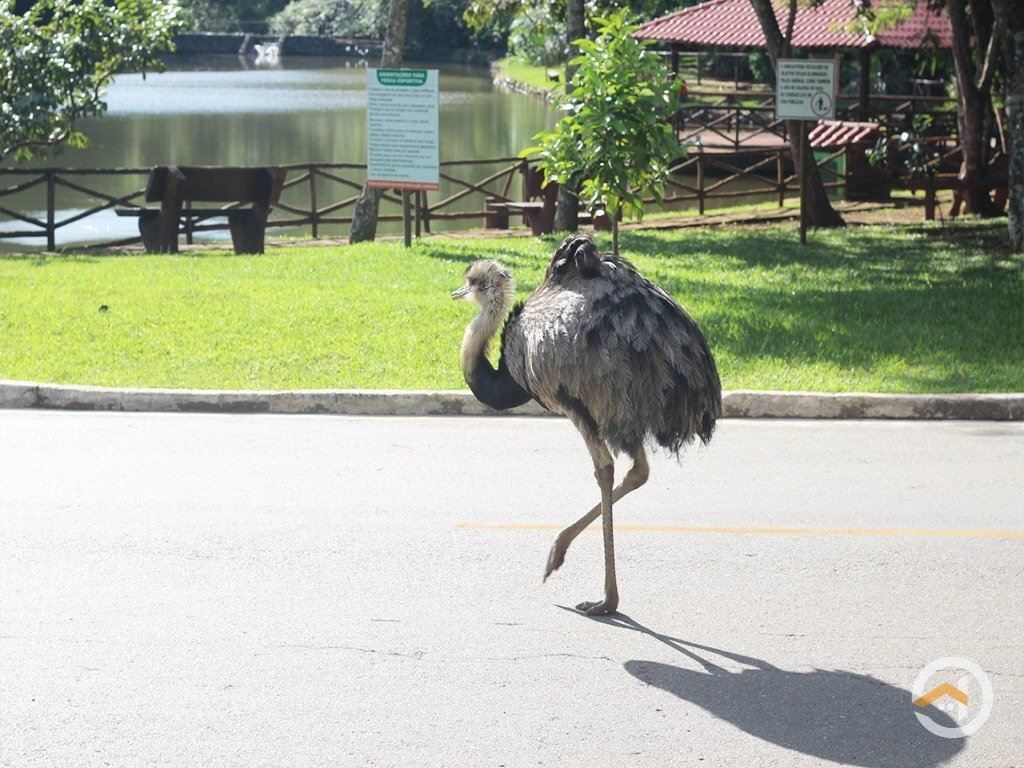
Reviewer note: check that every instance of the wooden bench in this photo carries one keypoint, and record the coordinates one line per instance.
(539, 214)
(998, 183)
(177, 188)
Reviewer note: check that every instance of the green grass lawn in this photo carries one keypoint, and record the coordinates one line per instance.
(888, 309)
(536, 77)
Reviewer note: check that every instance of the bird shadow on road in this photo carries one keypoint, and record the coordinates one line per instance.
(834, 715)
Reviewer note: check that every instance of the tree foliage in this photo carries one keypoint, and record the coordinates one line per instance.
(57, 59)
(616, 142)
(230, 15)
(340, 18)
(537, 36)
(986, 69)
(209, 16)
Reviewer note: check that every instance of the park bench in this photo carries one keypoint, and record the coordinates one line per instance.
(537, 208)
(996, 181)
(178, 188)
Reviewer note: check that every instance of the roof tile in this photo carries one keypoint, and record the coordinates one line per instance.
(733, 23)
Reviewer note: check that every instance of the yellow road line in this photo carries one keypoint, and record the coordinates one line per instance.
(745, 529)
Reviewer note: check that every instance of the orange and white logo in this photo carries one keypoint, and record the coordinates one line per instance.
(958, 688)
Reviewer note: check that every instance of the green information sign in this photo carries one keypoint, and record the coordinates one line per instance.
(414, 77)
(402, 147)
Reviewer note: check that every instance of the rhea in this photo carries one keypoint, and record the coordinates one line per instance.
(600, 344)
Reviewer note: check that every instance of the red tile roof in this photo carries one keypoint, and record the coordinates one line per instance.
(828, 134)
(733, 24)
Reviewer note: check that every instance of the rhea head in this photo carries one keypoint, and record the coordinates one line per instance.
(488, 284)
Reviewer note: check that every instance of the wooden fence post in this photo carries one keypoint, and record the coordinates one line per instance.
(406, 219)
(51, 204)
(313, 215)
(189, 224)
(780, 177)
(736, 118)
(700, 182)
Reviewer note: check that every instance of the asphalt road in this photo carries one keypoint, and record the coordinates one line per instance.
(339, 591)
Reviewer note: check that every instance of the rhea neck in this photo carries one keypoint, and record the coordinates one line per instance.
(480, 331)
(494, 388)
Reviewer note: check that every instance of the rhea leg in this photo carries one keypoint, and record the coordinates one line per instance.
(635, 477)
(604, 471)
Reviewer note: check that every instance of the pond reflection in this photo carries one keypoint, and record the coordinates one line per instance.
(219, 110)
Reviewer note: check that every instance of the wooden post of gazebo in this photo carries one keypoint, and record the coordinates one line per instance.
(864, 84)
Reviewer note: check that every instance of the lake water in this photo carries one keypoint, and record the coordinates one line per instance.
(222, 111)
(214, 111)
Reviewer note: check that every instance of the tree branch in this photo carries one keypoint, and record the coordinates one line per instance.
(989, 67)
(53, 141)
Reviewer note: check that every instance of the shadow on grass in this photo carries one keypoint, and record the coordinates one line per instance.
(832, 715)
(931, 314)
(950, 325)
(869, 254)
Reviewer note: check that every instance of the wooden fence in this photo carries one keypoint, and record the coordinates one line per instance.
(321, 194)
(314, 195)
(740, 120)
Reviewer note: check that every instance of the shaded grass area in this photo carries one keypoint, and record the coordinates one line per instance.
(888, 309)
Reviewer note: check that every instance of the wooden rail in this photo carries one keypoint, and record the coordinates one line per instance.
(320, 194)
(740, 120)
(314, 195)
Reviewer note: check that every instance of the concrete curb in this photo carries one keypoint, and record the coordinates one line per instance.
(737, 404)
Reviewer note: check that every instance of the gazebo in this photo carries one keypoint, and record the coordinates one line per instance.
(827, 28)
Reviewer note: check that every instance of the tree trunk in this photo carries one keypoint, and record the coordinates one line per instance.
(1010, 19)
(820, 210)
(1015, 130)
(972, 98)
(364, 217)
(615, 229)
(568, 207)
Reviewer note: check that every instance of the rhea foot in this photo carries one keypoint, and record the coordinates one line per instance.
(555, 559)
(603, 608)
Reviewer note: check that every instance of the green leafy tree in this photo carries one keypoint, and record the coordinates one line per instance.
(616, 142)
(341, 18)
(987, 41)
(208, 16)
(57, 59)
(537, 36)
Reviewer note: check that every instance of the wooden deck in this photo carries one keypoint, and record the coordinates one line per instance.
(745, 141)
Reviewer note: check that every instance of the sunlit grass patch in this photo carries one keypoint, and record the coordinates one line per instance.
(887, 309)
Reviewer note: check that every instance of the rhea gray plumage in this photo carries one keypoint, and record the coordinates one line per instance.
(600, 344)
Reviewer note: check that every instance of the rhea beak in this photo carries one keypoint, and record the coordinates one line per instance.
(461, 293)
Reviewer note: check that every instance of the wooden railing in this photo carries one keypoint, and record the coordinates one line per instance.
(314, 195)
(324, 194)
(737, 120)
